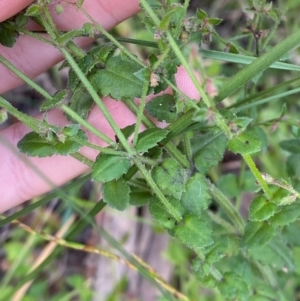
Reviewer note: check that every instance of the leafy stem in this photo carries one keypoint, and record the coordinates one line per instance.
(36, 125)
(140, 112)
(97, 100)
(177, 217)
(227, 206)
(114, 126)
(248, 159)
(87, 125)
(111, 38)
(209, 103)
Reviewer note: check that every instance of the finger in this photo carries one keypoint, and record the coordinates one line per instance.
(21, 176)
(9, 8)
(33, 57)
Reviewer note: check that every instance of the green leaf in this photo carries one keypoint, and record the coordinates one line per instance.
(207, 280)
(170, 177)
(263, 292)
(233, 287)
(210, 150)
(172, 17)
(240, 123)
(290, 233)
(263, 138)
(293, 166)
(233, 49)
(116, 194)
(261, 209)
(176, 253)
(109, 167)
(71, 130)
(246, 143)
(57, 98)
(286, 215)
(201, 14)
(118, 80)
(81, 102)
(196, 197)
(193, 232)
(292, 145)
(165, 21)
(257, 234)
(143, 74)
(149, 138)
(33, 10)
(67, 146)
(7, 36)
(279, 195)
(229, 185)
(214, 21)
(34, 145)
(21, 20)
(218, 250)
(97, 57)
(139, 197)
(155, 4)
(275, 254)
(101, 53)
(163, 108)
(163, 217)
(128, 130)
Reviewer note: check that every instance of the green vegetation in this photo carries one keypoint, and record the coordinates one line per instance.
(178, 172)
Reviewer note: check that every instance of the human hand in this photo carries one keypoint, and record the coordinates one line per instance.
(21, 176)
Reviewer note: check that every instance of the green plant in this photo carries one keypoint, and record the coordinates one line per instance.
(175, 170)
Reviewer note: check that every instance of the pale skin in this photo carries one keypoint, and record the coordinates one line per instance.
(20, 176)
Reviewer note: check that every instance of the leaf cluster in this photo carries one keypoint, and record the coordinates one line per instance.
(177, 171)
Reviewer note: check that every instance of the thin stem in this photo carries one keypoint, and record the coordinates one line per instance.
(170, 148)
(111, 38)
(132, 106)
(227, 206)
(140, 112)
(97, 100)
(150, 12)
(174, 152)
(161, 59)
(191, 102)
(248, 159)
(59, 192)
(46, 18)
(282, 184)
(87, 125)
(115, 127)
(157, 191)
(105, 150)
(187, 146)
(33, 34)
(259, 65)
(23, 77)
(222, 222)
(35, 124)
(209, 103)
(83, 159)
